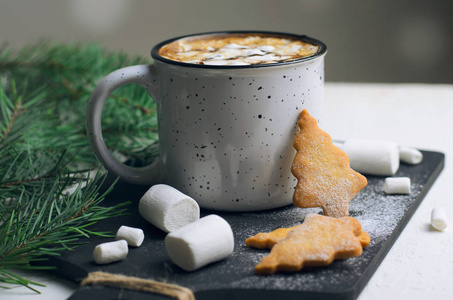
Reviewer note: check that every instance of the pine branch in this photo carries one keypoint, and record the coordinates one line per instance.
(55, 218)
(48, 201)
(10, 121)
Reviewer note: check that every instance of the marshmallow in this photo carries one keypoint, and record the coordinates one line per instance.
(200, 243)
(253, 52)
(410, 155)
(397, 185)
(133, 236)
(110, 252)
(372, 157)
(167, 208)
(439, 219)
(215, 56)
(216, 62)
(234, 46)
(266, 57)
(266, 48)
(238, 63)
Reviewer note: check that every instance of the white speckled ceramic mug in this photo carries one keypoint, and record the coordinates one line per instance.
(225, 132)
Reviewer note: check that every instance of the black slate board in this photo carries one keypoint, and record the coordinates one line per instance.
(382, 216)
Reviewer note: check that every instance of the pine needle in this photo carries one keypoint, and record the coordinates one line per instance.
(49, 198)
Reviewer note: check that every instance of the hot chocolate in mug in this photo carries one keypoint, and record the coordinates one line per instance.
(227, 105)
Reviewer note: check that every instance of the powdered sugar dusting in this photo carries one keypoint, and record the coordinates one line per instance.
(380, 216)
(379, 213)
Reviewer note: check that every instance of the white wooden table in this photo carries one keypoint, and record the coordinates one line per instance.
(420, 264)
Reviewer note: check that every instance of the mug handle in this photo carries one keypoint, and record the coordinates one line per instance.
(141, 75)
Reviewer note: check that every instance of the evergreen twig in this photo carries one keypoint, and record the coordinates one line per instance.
(48, 200)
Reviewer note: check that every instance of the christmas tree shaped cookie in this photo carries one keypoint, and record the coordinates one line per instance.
(324, 177)
(266, 240)
(317, 242)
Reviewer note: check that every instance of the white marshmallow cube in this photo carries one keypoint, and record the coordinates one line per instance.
(410, 155)
(106, 253)
(372, 157)
(200, 243)
(397, 185)
(167, 208)
(133, 236)
(439, 219)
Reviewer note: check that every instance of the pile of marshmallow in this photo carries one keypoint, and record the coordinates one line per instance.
(382, 158)
(191, 243)
(234, 54)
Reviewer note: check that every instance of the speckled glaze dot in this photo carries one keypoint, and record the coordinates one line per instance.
(226, 133)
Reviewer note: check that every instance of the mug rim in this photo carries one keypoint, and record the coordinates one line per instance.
(321, 51)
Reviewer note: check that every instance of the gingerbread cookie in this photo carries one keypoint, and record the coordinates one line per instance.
(266, 240)
(364, 239)
(324, 177)
(317, 242)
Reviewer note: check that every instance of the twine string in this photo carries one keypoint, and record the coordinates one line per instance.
(138, 284)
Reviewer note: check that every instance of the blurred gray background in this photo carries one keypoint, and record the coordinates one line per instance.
(368, 41)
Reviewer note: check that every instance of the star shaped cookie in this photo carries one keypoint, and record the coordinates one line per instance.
(317, 242)
(324, 177)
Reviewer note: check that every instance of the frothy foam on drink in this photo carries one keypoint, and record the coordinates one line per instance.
(237, 49)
